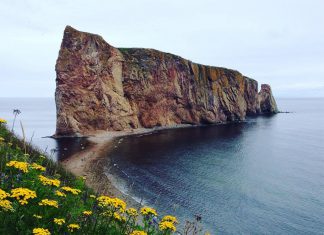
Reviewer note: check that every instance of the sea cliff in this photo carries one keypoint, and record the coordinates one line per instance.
(103, 88)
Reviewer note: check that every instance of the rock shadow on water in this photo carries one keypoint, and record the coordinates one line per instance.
(67, 146)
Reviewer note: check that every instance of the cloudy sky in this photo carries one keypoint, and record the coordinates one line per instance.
(280, 42)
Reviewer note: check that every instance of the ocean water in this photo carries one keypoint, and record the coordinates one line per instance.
(38, 119)
(262, 176)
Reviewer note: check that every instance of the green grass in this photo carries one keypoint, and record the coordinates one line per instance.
(123, 49)
(90, 213)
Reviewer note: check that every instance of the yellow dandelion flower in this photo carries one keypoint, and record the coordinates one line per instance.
(119, 217)
(72, 227)
(37, 167)
(3, 194)
(37, 216)
(71, 190)
(23, 166)
(119, 204)
(166, 225)
(148, 211)
(23, 195)
(132, 212)
(6, 205)
(2, 121)
(116, 203)
(170, 218)
(47, 202)
(104, 201)
(41, 231)
(60, 194)
(59, 221)
(48, 181)
(138, 232)
(87, 213)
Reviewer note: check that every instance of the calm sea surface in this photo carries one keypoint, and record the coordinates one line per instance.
(263, 176)
(38, 119)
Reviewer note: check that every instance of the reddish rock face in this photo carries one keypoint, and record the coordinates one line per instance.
(266, 100)
(100, 87)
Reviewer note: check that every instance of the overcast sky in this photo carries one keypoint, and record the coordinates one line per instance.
(280, 42)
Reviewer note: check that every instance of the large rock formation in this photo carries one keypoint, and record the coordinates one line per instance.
(266, 100)
(100, 87)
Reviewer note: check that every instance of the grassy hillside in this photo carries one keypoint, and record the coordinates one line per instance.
(37, 196)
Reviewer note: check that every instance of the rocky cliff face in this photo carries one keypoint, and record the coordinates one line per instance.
(100, 87)
(266, 100)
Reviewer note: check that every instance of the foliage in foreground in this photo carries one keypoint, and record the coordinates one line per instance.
(38, 197)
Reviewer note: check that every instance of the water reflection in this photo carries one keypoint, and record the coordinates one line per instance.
(66, 147)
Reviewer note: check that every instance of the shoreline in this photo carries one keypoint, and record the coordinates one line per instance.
(87, 163)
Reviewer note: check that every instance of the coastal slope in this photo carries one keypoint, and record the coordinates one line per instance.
(103, 88)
